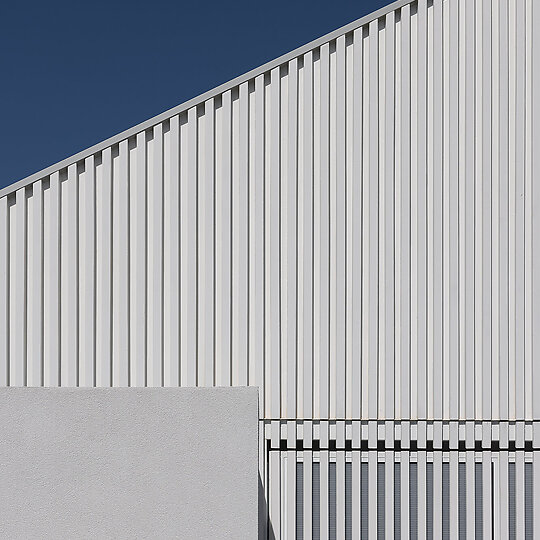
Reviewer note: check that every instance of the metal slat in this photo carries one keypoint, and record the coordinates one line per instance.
(274, 496)
(290, 246)
(405, 211)
(223, 243)
(306, 261)
(381, 501)
(536, 494)
(35, 289)
(87, 274)
(341, 495)
(171, 254)
(272, 296)
(338, 234)
(309, 487)
(290, 497)
(462, 500)
(104, 272)
(436, 203)
(372, 231)
(503, 497)
(389, 215)
(520, 494)
(364, 500)
(155, 362)
(470, 495)
(239, 248)
(299, 530)
(120, 273)
(487, 492)
(324, 495)
(316, 501)
(256, 242)
(529, 501)
(206, 248)
(17, 289)
(138, 279)
(535, 196)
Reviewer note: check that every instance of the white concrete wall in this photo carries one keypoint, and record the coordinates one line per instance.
(128, 463)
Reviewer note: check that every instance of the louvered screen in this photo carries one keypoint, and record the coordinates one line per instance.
(482, 505)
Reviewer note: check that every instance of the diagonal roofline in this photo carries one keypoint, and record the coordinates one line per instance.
(201, 98)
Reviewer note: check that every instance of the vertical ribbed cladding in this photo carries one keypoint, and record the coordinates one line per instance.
(353, 231)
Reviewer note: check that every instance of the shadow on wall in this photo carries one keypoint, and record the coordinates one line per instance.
(263, 513)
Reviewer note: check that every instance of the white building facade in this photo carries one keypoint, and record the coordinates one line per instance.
(355, 229)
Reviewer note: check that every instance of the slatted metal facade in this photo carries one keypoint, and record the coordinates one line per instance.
(353, 228)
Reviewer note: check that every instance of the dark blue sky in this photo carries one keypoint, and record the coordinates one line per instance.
(74, 73)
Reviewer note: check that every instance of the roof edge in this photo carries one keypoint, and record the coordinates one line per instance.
(201, 98)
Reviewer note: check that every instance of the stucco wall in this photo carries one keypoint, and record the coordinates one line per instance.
(128, 463)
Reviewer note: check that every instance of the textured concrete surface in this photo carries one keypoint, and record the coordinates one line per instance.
(128, 463)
